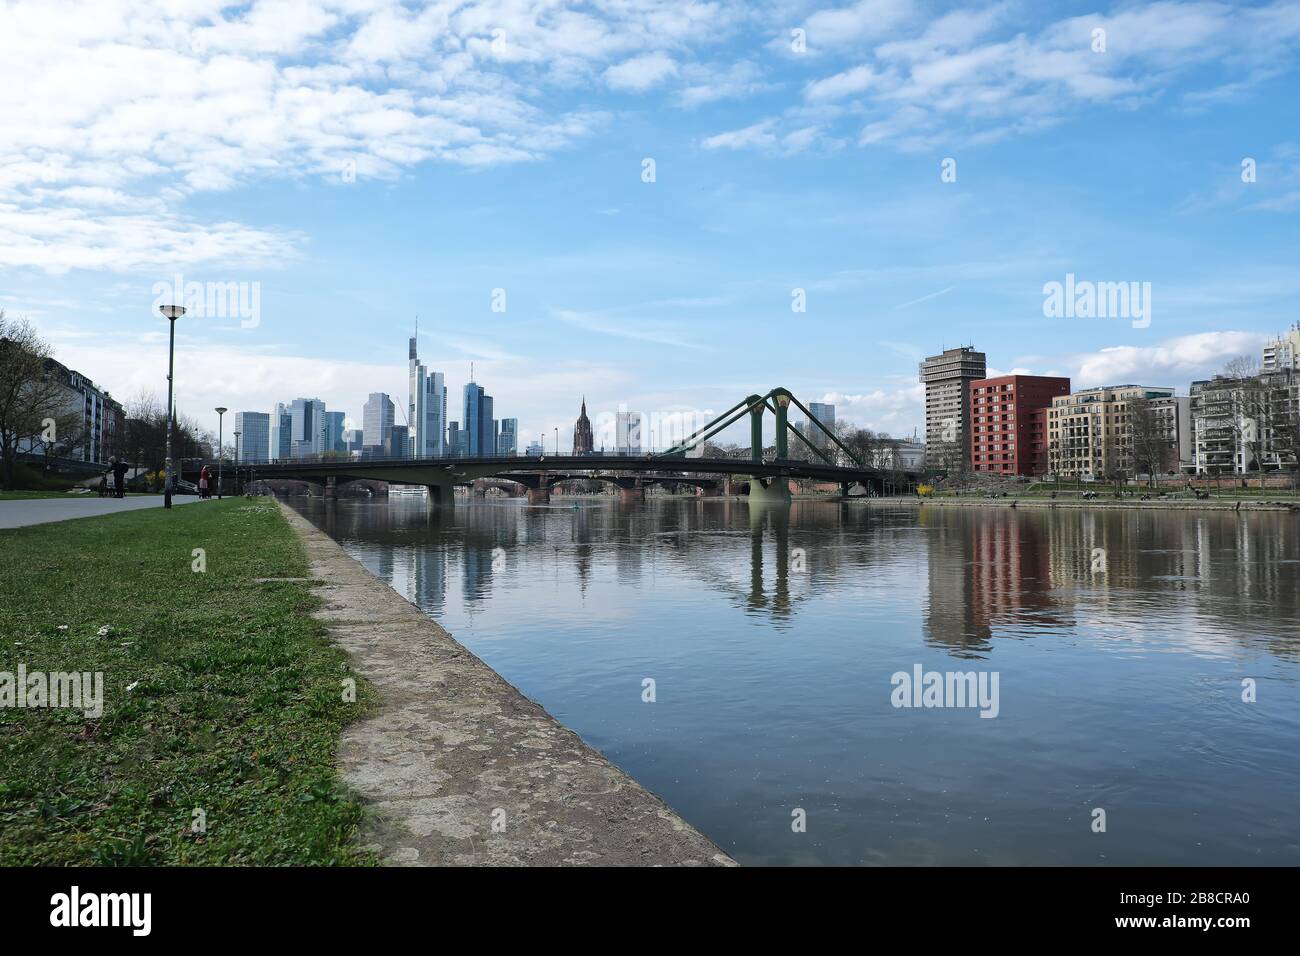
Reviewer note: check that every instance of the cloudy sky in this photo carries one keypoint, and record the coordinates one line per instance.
(919, 170)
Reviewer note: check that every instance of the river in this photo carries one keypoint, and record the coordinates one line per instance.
(747, 664)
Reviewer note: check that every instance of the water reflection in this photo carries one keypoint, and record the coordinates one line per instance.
(1121, 637)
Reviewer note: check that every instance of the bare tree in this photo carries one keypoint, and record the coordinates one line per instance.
(32, 399)
(1248, 409)
(1153, 447)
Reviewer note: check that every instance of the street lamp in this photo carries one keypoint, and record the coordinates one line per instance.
(171, 313)
(237, 434)
(221, 411)
(557, 441)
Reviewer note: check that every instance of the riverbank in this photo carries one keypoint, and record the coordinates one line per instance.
(457, 766)
(221, 696)
(1128, 504)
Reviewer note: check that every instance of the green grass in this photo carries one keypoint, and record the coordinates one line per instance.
(236, 707)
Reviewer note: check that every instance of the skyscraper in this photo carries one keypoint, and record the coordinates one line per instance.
(508, 439)
(825, 414)
(480, 436)
(627, 432)
(308, 427)
(947, 379)
(376, 423)
(254, 435)
(281, 438)
(334, 432)
(427, 410)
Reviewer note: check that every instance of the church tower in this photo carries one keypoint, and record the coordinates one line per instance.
(582, 435)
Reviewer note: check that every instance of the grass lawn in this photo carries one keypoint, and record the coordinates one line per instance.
(220, 695)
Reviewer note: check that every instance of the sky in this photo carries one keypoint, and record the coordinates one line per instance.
(666, 206)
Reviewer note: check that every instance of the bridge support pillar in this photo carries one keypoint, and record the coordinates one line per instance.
(631, 494)
(331, 488)
(775, 492)
(441, 495)
(539, 496)
(728, 487)
(845, 488)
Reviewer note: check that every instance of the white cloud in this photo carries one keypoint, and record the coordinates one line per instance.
(640, 73)
(758, 135)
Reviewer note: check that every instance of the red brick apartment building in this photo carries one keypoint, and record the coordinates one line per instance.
(1009, 423)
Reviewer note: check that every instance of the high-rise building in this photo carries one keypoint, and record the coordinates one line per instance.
(281, 439)
(334, 432)
(508, 438)
(627, 432)
(947, 377)
(427, 410)
(352, 440)
(376, 423)
(1283, 352)
(1091, 432)
(308, 427)
(254, 435)
(825, 414)
(584, 439)
(1009, 432)
(478, 426)
(398, 445)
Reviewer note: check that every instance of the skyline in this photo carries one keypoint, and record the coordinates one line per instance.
(520, 170)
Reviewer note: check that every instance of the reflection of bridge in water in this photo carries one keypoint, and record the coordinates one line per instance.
(768, 477)
(762, 560)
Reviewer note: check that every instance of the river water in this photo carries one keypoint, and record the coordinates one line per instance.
(1120, 646)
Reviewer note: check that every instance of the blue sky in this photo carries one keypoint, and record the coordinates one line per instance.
(501, 146)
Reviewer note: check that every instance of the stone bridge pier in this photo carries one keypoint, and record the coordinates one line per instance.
(538, 485)
(630, 490)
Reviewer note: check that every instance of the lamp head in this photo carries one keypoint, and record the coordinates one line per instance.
(172, 311)
(220, 410)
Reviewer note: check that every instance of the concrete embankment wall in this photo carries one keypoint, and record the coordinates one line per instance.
(1075, 504)
(457, 767)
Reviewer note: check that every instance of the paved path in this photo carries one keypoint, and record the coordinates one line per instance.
(18, 514)
(457, 766)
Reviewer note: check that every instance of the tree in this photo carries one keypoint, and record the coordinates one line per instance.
(32, 399)
(1248, 409)
(1152, 446)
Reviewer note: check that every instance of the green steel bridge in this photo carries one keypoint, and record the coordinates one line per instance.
(769, 477)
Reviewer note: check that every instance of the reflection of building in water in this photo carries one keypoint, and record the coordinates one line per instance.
(990, 571)
(1010, 567)
(949, 618)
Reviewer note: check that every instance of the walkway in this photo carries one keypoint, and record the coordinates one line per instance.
(457, 766)
(19, 514)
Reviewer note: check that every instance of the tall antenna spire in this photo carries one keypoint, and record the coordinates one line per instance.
(471, 371)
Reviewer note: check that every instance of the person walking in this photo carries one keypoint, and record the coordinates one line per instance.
(203, 482)
(119, 477)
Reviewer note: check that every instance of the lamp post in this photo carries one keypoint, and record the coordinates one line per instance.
(237, 434)
(221, 448)
(171, 313)
(557, 441)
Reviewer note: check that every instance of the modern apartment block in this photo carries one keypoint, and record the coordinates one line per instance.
(1247, 425)
(254, 430)
(1283, 352)
(1009, 423)
(947, 377)
(99, 431)
(1091, 434)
